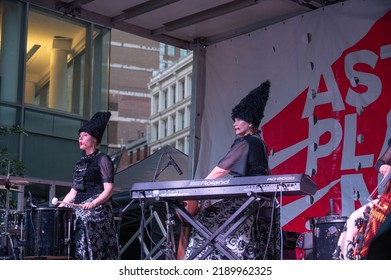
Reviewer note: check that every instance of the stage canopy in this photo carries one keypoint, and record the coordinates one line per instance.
(182, 22)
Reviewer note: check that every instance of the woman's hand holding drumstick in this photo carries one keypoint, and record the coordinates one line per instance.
(55, 201)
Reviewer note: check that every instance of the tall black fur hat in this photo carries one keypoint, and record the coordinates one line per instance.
(251, 107)
(96, 125)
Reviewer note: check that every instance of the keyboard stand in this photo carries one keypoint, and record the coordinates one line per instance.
(217, 238)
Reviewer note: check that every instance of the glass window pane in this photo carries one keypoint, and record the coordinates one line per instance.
(49, 157)
(10, 143)
(11, 50)
(101, 69)
(55, 62)
(8, 115)
(45, 123)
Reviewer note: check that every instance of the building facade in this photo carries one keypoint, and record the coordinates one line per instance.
(133, 63)
(170, 106)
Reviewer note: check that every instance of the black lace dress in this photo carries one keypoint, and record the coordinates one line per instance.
(95, 236)
(257, 237)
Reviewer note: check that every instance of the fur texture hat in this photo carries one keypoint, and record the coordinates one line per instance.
(96, 125)
(251, 107)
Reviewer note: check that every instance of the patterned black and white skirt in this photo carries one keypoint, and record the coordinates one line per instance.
(257, 237)
(95, 235)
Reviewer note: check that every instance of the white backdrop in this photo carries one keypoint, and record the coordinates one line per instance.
(328, 114)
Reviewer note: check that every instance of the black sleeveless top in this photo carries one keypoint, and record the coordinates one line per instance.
(247, 157)
(90, 173)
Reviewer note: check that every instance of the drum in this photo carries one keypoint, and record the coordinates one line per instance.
(49, 233)
(15, 221)
(10, 235)
(326, 233)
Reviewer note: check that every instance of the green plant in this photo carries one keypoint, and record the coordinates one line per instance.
(10, 166)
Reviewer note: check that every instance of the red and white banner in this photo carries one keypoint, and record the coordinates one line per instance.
(329, 110)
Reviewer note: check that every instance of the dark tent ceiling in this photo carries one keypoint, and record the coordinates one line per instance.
(182, 22)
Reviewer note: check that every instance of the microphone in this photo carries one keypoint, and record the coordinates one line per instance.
(177, 168)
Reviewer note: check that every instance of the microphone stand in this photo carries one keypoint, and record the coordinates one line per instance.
(8, 240)
(169, 250)
(170, 241)
(160, 172)
(7, 235)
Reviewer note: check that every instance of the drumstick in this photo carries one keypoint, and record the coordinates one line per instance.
(55, 201)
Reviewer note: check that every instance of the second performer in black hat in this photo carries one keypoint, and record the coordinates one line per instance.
(247, 156)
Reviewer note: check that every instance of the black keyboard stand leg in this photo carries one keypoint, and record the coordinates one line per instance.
(142, 222)
(216, 239)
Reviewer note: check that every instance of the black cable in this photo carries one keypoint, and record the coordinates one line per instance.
(271, 225)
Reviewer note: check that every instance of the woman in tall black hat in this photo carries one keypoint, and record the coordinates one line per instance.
(246, 157)
(95, 236)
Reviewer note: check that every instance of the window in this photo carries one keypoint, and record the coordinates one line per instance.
(138, 154)
(164, 124)
(183, 52)
(56, 76)
(155, 104)
(170, 50)
(164, 100)
(173, 129)
(181, 119)
(181, 88)
(173, 93)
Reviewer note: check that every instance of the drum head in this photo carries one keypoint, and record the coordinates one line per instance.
(331, 219)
